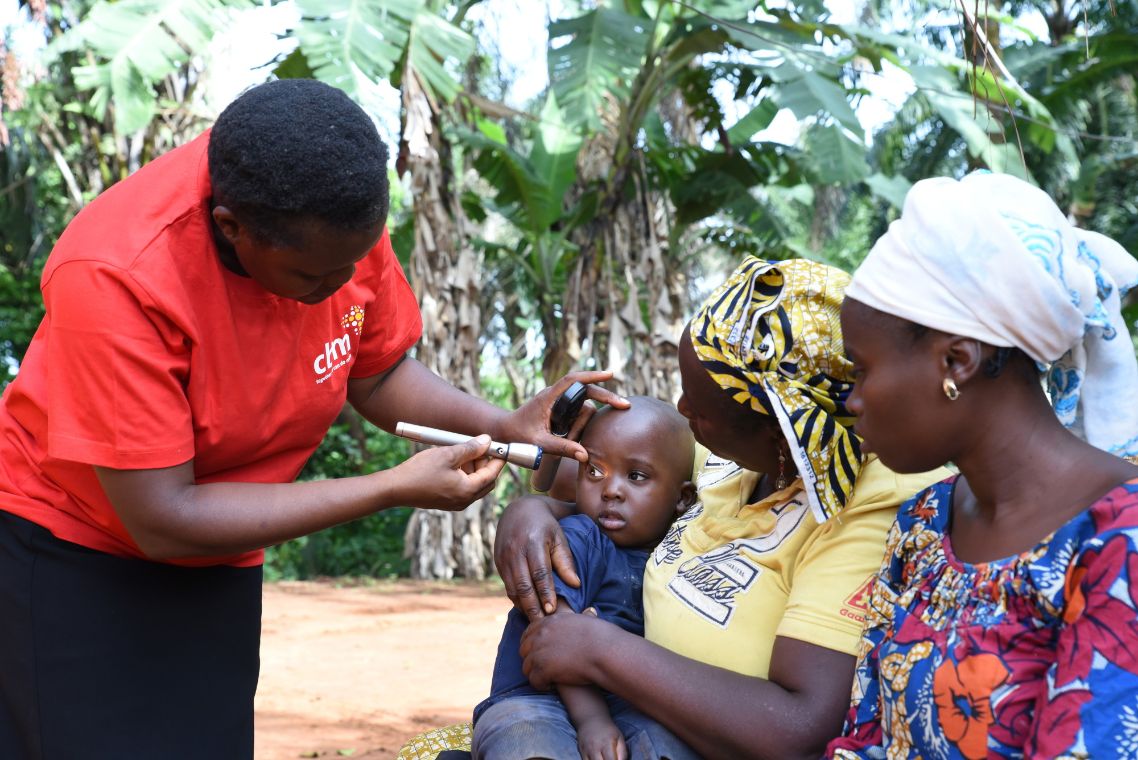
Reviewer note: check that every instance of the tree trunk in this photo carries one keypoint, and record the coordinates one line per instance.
(445, 275)
(641, 299)
(627, 299)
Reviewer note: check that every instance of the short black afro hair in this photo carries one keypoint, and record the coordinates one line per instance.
(298, 150)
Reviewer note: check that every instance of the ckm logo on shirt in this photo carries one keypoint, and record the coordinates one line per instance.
(337, 352)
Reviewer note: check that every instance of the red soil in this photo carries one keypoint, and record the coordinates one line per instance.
(356, 671)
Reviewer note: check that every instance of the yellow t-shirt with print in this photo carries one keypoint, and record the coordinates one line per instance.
(727, 579)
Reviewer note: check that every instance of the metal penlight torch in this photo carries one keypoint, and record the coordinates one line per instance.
(524, 454)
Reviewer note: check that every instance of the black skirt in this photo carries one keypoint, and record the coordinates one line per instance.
(105, 657)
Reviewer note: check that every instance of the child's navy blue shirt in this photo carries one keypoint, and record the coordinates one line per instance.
(612, 581)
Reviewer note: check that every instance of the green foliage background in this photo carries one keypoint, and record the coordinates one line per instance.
(673, 97)
(372, 546)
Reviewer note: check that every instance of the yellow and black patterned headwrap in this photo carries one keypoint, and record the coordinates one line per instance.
(771, 336)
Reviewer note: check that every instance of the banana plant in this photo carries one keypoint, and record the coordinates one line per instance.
(354, 45)
(639, 83)
(135, 45)
(529, 187)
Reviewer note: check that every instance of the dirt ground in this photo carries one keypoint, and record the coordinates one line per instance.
(355, 671)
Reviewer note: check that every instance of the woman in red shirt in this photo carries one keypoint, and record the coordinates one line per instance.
(206, 319)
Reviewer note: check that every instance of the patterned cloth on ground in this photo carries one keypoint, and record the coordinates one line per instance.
(427, 746)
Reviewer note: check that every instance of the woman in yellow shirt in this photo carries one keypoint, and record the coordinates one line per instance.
(754, 601)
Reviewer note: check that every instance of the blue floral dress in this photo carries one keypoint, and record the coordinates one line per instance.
(1031, 656)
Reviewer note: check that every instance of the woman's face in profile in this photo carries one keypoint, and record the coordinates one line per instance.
(724, 426)
(897, 390)
(320, 264)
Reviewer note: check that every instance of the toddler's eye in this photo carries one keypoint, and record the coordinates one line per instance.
(637, 475)
(594, 472)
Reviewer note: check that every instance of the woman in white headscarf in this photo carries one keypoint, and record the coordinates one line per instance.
(985, 330)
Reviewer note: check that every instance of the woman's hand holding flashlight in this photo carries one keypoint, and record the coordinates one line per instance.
(449, 477)
(524, 454)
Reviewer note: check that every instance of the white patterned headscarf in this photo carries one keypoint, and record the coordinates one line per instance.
(993, 258)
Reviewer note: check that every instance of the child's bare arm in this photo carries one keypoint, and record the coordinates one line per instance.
(598, 738)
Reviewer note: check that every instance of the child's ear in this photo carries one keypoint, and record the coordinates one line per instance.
(687, 497)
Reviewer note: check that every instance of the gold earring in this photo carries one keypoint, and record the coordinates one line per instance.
(950, 389)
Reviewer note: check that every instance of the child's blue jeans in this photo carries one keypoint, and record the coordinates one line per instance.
(537, 725)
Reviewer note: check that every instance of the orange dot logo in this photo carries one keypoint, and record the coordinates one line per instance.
(354, 320)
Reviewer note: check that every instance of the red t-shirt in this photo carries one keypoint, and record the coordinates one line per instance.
(152, 353)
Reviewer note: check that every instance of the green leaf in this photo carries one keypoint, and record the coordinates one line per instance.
(351, 44)
(1108, 53)
(939, 88)
(807, 93)
(522, 196)
(837, 159)
(294, 66)
(434, 41)
(759, 118)
(691, 37)
(554, 155)
(139, 43)
(604, 50)
(722, 9)
(890, 189)
(895, 46)
(493, 130)
(770, 36)
(717, 182)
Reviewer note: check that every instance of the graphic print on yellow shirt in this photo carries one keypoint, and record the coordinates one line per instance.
(709, 583)
(728, 579)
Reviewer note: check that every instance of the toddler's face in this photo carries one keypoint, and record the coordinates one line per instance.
(632, 487)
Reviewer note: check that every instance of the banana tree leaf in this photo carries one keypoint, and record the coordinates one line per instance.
(956, 108)
(758, 119)
(771, 37)
(353, 45)
(891, 189)
(554, 155)
(523, 196)
(434, 41)
(294, 66)
(692, 36)
(604, 50)
(807, 93)
(717, 180)
(139, 42)
(836, 158)
(348, 43)
(1108, 53)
